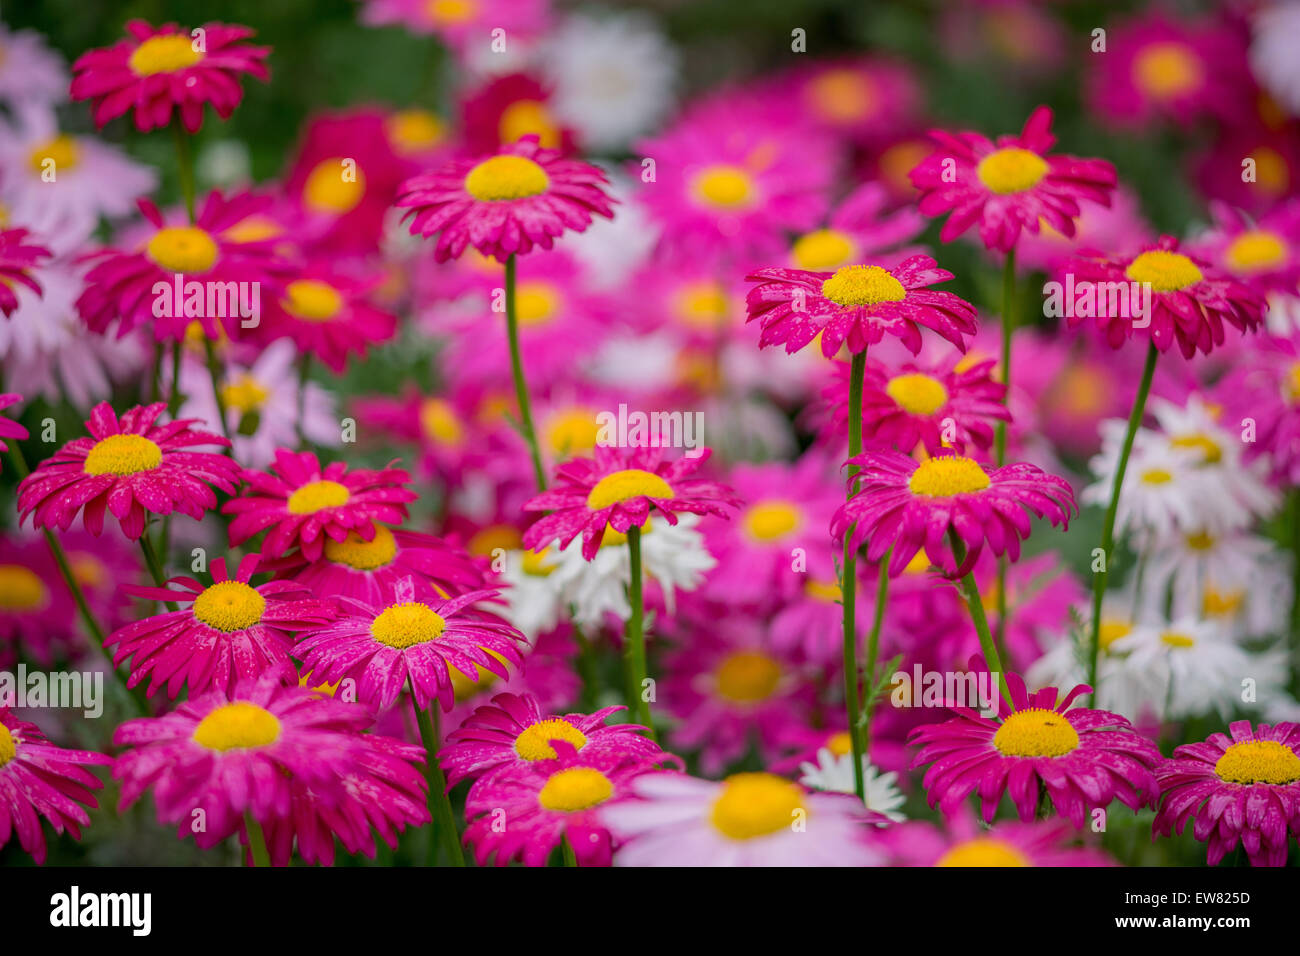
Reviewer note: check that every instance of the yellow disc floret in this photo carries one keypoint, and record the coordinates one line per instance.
(406, 625)
(983, 851)
(8, 746)
(1036, 732)
(771, 520)
(21, 589)
(163, 54)
(182, 249)
(755, 805)
(229, 606)
(507, 177)
(948, 475)
(916, 393)
(535, 741)
(334, 186)
(1166, 271)
(237, 726)
(823, 250)
(1255, 251)
(724, 186)
(312, 300)
(62, 149)
(316, 495)
(574, 789)
(1258, 761)
(625, 485)
(863, 285)
(122, 455)
(1167, 70)
(1011, 170)
(361, 555)
(746, 677)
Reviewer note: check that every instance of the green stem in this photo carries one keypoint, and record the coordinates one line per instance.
(849, 582)
(1108, 528)
(185, 168)
(873, 645)
(634, 637)
(976, 605)
(304, 367)
(214, 373)
(444, 820)
(156, 377)
(256, 840)
(566, 850)
(1008, 330)
(154, 565)
(521, 385)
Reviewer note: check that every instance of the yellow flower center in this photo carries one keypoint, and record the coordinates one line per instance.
(1036, 732)
(572, 432)
(842, 96)
(465, 686)
(451, 11)
(947, 475)
(899, 160)
(983, 851)
(21, 589)
(317, 495)
(828, 591)
(625, 485)
(754, 805)
(414, 131)
(122, 455)
(1200, 541)
(361, 555)
(1176, 639)
(1166, 271)
(576, 788)
(312, 300)
(747, 676)
(703, 305)
(1167, 70)
(840, 744)
(245, 394)
(1256, 251)
(727, 187)
(334, 187)
(229, 606)
(503, 536)
(863, 285)
(919, 564)
(237, 726)
(1291, 384)
(917, 394)
(1157, 476)
(536, 303)
(8, 746)
(537, 563)
(440, 423)
(63, 149)
(824, 250)
(1112, 631)
(535, 741)
(163, 54)
(1272, 172)
(770, 520)
(1211, 453)
(253, 229)
(1221, 604)
(182, 249)
(405, 625)
(528, 118)
(1011, 170)
(506, 177)
(1258, 761)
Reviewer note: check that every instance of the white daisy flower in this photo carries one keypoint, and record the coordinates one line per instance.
(1276, 36)
(534, 599)
(673, 555)
(612, 77)
(835, 775)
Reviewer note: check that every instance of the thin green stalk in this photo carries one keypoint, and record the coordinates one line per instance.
(566, 850)
(1108, 528)
(849, 582)
(304, 368)
(976, 605)
(521, 385)
(185, 167)
(256, 840)
(444, 820)
(634, 636)
(1008, 330)
(154, 565)
(873, 645)
(155, 387)
(214, 373)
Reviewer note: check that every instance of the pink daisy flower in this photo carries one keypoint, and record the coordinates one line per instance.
(961, 841)
(120, 285)
(745, 820)
(17, 258)
(158, 69)
(1263, 253)
(299, 504)
(617, 489)
(1190, 299)
(916, 404)
(410, 642)
(908, 506)
(458, 23)
(230, 631)
(512, 733)
(861, 100)
(38, 619)
(328, 315)
(1267, 389)
(507, 108)
(521, 197)
(548, 801)
(255, 751)
(8, 427)
(369, 571)
(130, 468)
(1083, 758)
(1243, 788)
(1008, 185)
(38, 779)
(857, 304)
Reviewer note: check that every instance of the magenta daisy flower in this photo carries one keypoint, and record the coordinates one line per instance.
(304, 505)
(9, 428)
(949, 405)
(38, 619)
(524, 196)
(908, 506)
(1009, 185)
(230, 631)
(459, 23)
(369, 571)
(513, 732)
(328, 315)
(744, 820)
(1263, 252)
(963, 842)
(120, 287)
(548, 801)
(38, 779)
(17, 257)
(131, 468)
(160, 69)
(857, 304)
(1083, 758)
(617, 489)
(254, 751)
(410, 642)
(1190, 299)
(1267, 389)
(1240, 789)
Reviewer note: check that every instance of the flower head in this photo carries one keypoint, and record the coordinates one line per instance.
(8, 427)
(130, 467)
(17, 257)
(961, 841)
